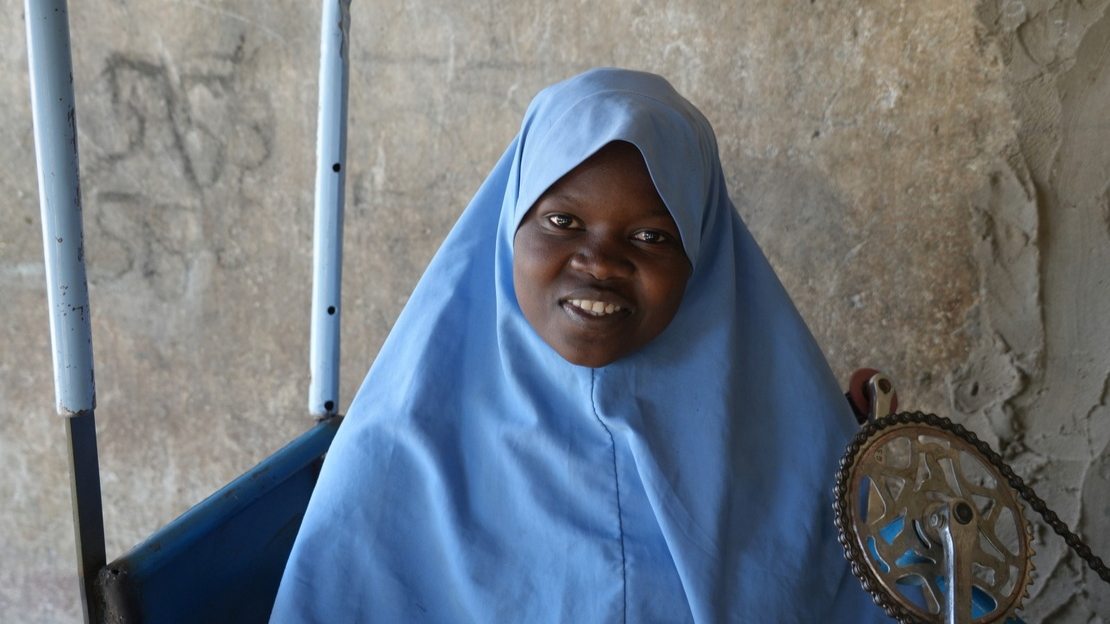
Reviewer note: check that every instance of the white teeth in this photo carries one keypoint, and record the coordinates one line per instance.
(597, 308)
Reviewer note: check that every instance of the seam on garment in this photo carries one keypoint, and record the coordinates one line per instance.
(617, 486)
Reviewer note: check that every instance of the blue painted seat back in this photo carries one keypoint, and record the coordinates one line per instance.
(222, 560)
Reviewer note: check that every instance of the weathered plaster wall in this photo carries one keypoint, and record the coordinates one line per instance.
(1040, 373)
(929, 178)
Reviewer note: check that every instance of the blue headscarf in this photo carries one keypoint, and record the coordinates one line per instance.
(479, 477)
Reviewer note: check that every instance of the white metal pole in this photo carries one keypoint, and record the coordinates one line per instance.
(327, 245)
(55, 123)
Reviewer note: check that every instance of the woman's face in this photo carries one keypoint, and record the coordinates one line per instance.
(598, 265)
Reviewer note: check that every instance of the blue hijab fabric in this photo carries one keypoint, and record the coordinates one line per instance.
(481, 478)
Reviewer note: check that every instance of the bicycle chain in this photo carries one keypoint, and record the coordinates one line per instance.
(855, 556)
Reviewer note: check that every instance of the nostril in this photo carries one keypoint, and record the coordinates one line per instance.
(601, 264)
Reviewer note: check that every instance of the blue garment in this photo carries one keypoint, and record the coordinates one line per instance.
(481, 478)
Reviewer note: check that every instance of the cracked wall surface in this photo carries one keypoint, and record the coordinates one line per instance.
(1046, 285)
(929, 178)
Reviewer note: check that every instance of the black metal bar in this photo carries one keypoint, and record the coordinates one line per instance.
(88, 516)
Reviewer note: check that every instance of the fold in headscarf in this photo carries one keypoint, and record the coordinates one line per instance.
(481, 478)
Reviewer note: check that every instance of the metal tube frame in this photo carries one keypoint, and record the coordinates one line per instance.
(327, 245)
(55, 123)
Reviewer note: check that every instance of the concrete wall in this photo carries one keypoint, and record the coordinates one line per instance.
(930, 178)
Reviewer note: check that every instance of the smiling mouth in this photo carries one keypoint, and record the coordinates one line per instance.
(594, 308)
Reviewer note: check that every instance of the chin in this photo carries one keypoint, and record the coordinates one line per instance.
(589, 360)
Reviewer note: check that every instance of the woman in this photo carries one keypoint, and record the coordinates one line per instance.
(599, 404)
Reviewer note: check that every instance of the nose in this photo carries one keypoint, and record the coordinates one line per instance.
(603, 259)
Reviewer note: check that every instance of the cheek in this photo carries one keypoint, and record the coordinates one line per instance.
(520, 268)
(536, 264)
(520, 285)
(528, 283)
(666, 294)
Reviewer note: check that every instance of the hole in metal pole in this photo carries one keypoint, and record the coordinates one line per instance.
(331, 309)
(336, 167)
(328, 405)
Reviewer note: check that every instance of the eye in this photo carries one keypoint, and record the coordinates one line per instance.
(563, 221)
(654, 237)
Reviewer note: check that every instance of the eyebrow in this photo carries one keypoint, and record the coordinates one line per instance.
(562, 197)
(570, 198)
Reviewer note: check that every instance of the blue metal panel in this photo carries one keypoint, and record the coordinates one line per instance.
(222, 560)
(327, 246)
